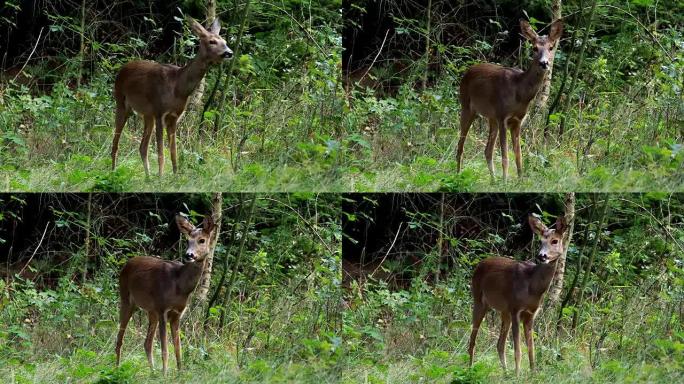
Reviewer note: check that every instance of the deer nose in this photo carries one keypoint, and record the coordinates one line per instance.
(544, 64)
(189, 256)
(227, 54)
(543, 257)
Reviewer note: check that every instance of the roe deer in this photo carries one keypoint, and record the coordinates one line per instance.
(502, 95)
(516, 289)
(162, 288)
(159, 92)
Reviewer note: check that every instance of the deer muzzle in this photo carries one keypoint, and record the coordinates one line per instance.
(189, 257)
(543, 258)
(227, 54)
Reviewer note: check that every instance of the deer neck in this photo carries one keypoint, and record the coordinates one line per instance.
(530, 82)
(190, 274)
(542, 277)
(191, 75)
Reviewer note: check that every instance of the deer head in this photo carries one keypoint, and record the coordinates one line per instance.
(213, 48)
(198, 238)
(551, 239)
(542, 46)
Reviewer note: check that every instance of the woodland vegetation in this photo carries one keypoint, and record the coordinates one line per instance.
(266, 121)
(270, 311)
(611, 121)
(408, 260)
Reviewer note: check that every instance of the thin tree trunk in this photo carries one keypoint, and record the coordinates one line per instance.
(217, 215)
(545, 89)
(427, 44)
(238, 258)
(81, 50)
(590, 263)
(578, 66)
(86, 247)
(557, 284)
(196, 101)
(231, 65)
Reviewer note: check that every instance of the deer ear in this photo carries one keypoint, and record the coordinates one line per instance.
(184, 225)
(527, 30)
(561, 224)
(537, 226)
(556, 30)
(215, 27)
(196, 27)
(208, 224)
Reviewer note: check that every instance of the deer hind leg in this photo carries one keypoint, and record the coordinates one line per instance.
(479, 311)
(159, 130)
(467, 117)
(174, 319)
(125, 312)
(491, 141)
(528, 322)
(149, 340)
(171, 121)
(145, 143)
(162, 339)
(504, 148)
(515, 136)
(516, 340)
(122, 114)
(503, 336)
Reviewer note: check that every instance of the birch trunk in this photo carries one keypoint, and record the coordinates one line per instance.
(205, 280)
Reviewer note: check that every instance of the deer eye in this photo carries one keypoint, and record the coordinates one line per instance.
(212, 42)
(202, 241)
(554, 242)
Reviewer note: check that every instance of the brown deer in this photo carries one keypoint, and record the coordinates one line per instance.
(516, 289)
(162, 288)
(502, 95)
(159, 92)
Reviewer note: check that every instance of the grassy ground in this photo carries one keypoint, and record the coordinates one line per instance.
(422, 335)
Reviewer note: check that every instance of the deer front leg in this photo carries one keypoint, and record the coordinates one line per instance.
(516, 340)
(489, 149)
(162, 339)
(171, 121)
(503, 336)
(151, 328)
(145, 143)
(504, 148)
(174, 320)
(515, 136)
(528, 325)
(159, 130)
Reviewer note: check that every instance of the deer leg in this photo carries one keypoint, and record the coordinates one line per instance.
(125, 312)
(479, 311)
(145, 143)
(504, 148)
(162, 339)
(174, 320)
(171, 133)
(122, 115)
(160, 144)
(489, 149)
(151, 328)
(516, 340)
(515, 136)
(503, 336)
(528, 322)
(467, 117)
